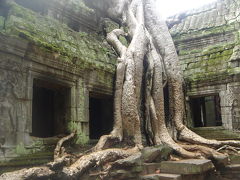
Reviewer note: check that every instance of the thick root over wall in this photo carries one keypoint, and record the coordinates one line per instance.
(144, 67)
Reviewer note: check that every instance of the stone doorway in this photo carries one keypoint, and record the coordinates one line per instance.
(100, 116)
(50, 105)
(206, 111)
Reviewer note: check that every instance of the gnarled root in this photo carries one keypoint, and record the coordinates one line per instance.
(32, 173)
(75, 170)
(96, 159)
(59, 150)
(206, 152)
(187, 135)
(105, 142)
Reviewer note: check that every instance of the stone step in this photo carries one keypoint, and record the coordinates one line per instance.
(231, 172)
(232, 167)
(218, 133)
(162, 176)
(186, 167)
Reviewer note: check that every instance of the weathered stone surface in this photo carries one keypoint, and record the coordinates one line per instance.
(122, 174)
(190, 166)
(81, 17)
(156, 153)
(220, 161)
(231, 172)
(130, 162)
(162, 176)
(233, 167)
(128, 168)
(218, 133)
(151, 168)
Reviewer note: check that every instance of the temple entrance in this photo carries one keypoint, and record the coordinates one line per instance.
(49, 108)
(206, 111)
(100, 116)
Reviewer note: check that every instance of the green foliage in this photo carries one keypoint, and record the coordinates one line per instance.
(82, 139)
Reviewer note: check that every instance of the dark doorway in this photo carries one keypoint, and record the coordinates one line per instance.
(206, 111)
(100, 116)
(49, 109)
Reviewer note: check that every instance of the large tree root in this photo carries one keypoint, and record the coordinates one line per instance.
(187, 135)
(55, 169)
(96, 159)
(28, 174)
(59, 150)
(206, 152)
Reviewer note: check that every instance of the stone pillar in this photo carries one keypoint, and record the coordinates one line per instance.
(29, 97)
(226, 98)
(188, 121)
(83, 106)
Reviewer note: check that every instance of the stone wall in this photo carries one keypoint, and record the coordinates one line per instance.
(207, 40)
(44, 45)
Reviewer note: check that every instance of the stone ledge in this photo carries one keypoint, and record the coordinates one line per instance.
(234, 159)
(190, 166)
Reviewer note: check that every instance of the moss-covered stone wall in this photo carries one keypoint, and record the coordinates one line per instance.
(207, 41)
(80, 48)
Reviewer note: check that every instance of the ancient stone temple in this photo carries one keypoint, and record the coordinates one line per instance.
(57, 73)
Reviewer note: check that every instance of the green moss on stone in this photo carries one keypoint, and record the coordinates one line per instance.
(26, 160)
(109, 25)
(208, 63)
(211, 31)
(81, 138)
(87, 49)
(212, 62)
(21, 150)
